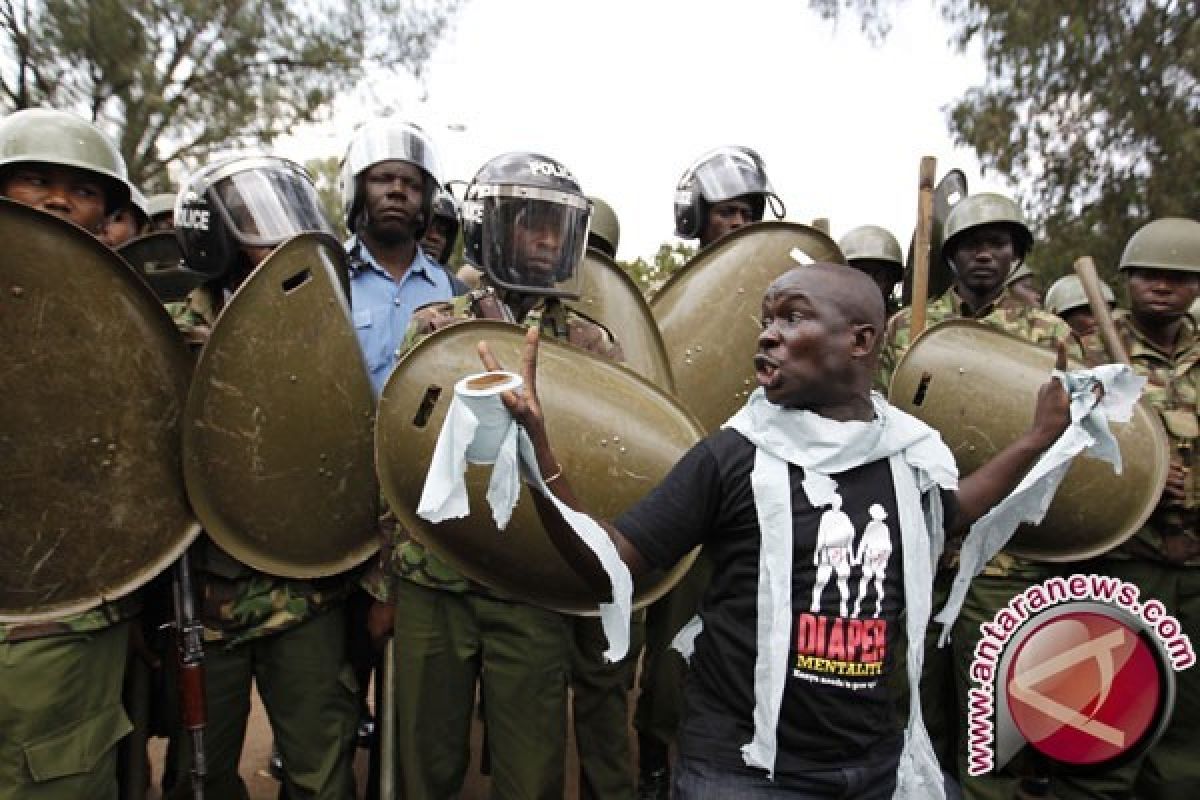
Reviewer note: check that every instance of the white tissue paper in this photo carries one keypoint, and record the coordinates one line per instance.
(474, 431)
(1029, 502)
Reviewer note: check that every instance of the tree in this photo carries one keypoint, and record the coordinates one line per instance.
(325, 174)
(650, 276)
(180, 79)
(1092, 110)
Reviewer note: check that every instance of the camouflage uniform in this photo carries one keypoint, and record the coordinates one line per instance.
(287, 635)
(945, 680)
(451, 632)
(60, 704)
(1163, 560)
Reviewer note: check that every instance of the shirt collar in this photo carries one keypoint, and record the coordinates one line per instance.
(361, 257)
(1005, 300)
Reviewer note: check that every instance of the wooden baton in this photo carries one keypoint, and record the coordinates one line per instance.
(920, 278)
(1085, 268)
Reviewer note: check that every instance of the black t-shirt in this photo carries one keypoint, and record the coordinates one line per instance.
(836, 706)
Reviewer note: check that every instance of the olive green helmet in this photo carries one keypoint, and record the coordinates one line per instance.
(987, 208)
(871, 242)
(605, 226)
(1067, 294)
(1168, 243)
(56, 137)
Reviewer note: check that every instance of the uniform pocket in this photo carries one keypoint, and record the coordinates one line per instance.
(374, 330)
(79, 748)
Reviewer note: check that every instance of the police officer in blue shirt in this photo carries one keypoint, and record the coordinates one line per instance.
(388, 182)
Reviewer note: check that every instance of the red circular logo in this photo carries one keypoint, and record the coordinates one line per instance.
(1084, 688)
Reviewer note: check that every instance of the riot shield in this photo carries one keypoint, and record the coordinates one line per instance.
(615, 434)
(92, 503)
(610, 297)
(978, 386)
(709, 311)
(946, 195)
(278, 434)
(158, 259)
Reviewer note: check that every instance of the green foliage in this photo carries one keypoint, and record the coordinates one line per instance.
(651, 275)
(1094, 109)
(180, 79)
(1091, 109)
(324, 172)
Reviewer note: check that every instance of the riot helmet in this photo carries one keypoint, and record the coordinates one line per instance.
(1066, 294)
(986, 208)
(525, 224)
(245, 201)
(387, 140)
(46, 136)
(719, 175)
(443, 228)
(872, 243)
(605, 233)
(1170, 243)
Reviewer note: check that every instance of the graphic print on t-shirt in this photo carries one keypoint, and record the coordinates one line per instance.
(847, 649)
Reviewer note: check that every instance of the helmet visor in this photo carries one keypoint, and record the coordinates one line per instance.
(534, 239)
(267, 206)
(731, 173)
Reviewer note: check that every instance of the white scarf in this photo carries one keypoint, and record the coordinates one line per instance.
(919, 463)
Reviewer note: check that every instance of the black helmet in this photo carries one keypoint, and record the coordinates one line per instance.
(719, 175)
(513, 199)
(257, 201)
(387, 140)
(445, 207)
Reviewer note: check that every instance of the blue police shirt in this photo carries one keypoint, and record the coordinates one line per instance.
(383, 307)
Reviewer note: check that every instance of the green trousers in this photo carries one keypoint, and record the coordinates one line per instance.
(660, 702)
(600, 705)
(987, 595)
(308, 689)
(61, 715)
(446, 643)
(1171, 769)
(939, 695)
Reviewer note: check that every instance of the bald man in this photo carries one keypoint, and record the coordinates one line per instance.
(788, 693)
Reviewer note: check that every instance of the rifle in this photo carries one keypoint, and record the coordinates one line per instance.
(189, 638)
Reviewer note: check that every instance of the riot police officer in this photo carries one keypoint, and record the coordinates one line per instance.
(1161, 267)
(1066, 299)
(126, 222)
(720, 192)
(442, 233)
(60, 680)
(389, 181)
(605, 233)
(286, 635)
(986, 239)
(873, 250)
(525, 225)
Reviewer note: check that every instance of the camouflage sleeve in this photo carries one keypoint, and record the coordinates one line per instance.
(895, 345)
(427, 319)
(378, 578)
(190, 319)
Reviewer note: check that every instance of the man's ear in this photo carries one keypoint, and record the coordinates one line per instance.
(866, 339)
